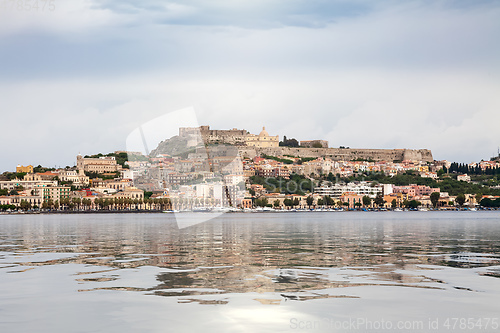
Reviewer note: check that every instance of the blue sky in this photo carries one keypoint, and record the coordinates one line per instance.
(365, 74)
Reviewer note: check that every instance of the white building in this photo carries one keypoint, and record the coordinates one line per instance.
(361, 188)
(464, 178)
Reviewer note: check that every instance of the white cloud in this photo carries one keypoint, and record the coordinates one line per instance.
(416, 75)
(55, 17)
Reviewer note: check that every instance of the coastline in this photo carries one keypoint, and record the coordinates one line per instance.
(236, 211)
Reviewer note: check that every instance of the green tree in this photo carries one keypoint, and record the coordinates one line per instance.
(276, 203)
(309, 200)
(460, 199)
(379, 200)
(328, 200)
(414, 204)
(394, 203)
(367, 201)
(77, 202)
(435, 198)
(24, 205)
(261, 202)
(479, 196)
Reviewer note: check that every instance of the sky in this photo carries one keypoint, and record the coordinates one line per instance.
(79, 76)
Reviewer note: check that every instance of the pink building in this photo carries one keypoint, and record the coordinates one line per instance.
(415, 190)
(351, 198)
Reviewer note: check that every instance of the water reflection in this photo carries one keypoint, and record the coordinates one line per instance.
(293, 255)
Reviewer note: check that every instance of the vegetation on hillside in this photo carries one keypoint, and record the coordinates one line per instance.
(297, 184)
(480, 184)
(120, 158)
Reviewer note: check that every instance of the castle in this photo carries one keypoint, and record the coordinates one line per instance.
(251, 145)
(233, 137)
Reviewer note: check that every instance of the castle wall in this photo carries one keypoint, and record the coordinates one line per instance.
(342, 154)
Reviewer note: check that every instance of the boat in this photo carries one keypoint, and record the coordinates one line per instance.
(201, 209)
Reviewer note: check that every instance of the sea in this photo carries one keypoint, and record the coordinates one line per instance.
(251, 272)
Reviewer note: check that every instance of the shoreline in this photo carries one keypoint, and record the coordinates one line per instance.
(237, 211)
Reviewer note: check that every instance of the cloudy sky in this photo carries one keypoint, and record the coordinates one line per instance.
(80, 75)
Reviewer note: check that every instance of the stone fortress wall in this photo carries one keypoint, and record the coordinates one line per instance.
(343, 154)
(233, 136)
(239, 138)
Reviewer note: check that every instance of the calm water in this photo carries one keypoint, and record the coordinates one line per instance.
(261, 272)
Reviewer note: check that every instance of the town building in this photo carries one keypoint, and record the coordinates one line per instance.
(33, 200)
(39, 176)
(352, 199)
(26, 169)
(104, 164)
(26, 184)
(361, 189)
(54, 192)
(464, 178)
(413, 190)
(5, 200)
(78, 178)
(130, 193)
(263, 140)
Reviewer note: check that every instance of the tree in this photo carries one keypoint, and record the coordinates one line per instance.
(435, 198)
(414, 204)
(479, 196)
(276, 203)
(367, 201)
(76, 201)
(309, 201)
(328, 200)
(24, 205)
(460, 199)
(357, 204)
(261, 202)
(289, 142)
(379, 200)
(394, 203)
(296, 202)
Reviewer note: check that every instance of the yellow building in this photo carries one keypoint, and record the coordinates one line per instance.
(100, 165)
(27, 169)
(263, 140)
(399, 197)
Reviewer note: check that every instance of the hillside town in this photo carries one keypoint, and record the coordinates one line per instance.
(233, 170)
